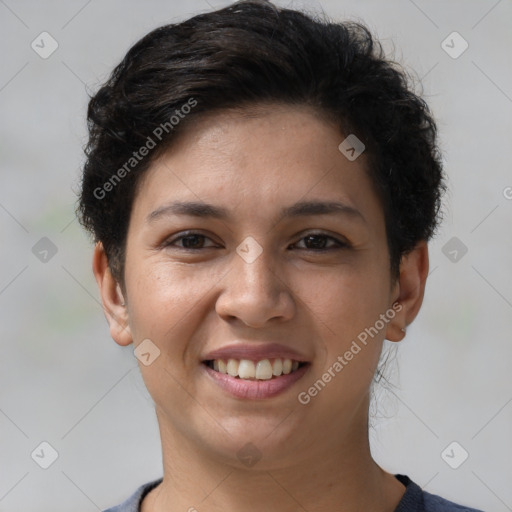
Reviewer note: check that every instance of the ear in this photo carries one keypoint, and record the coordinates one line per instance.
(409, 290)
(111, 297)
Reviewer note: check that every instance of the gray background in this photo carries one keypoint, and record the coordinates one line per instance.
(64, 381)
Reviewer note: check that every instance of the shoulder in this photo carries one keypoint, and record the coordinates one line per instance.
(132, 504)
(417, 500)
(434, 503)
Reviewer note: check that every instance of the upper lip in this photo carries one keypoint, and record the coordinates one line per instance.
(254, 351)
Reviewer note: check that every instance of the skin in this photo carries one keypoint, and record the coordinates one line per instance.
(314, 457)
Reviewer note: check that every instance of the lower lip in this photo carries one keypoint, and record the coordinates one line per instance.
(255, 389)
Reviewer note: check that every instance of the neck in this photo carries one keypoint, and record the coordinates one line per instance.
(326, 476)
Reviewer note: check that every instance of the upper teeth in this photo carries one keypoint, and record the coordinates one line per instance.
(262, 370)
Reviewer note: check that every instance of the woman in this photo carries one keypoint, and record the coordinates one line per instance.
(261, 187)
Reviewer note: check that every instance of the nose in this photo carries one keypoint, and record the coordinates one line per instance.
(255, 292)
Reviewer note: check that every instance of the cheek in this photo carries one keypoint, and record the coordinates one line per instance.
(345, 300)
(344, 310)
(344, 315)
(162, 297)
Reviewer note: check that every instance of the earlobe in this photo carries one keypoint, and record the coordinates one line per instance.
(409, 290)
(112, 298)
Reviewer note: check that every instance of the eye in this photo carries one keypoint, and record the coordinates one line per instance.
(191, 241)
(318, 241)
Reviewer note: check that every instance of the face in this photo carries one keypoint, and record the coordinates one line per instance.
(289, 261)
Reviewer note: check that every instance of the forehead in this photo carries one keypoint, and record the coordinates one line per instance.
(270, 156)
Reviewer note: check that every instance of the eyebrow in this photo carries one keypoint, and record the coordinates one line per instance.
(300, 209)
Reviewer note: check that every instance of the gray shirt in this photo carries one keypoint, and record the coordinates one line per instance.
(413, 500)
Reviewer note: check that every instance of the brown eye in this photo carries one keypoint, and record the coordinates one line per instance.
(319, 242)
(190, 241)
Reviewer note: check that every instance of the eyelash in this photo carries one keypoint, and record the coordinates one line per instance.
(340, 244)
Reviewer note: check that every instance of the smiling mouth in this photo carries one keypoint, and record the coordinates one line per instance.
(246, 369)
